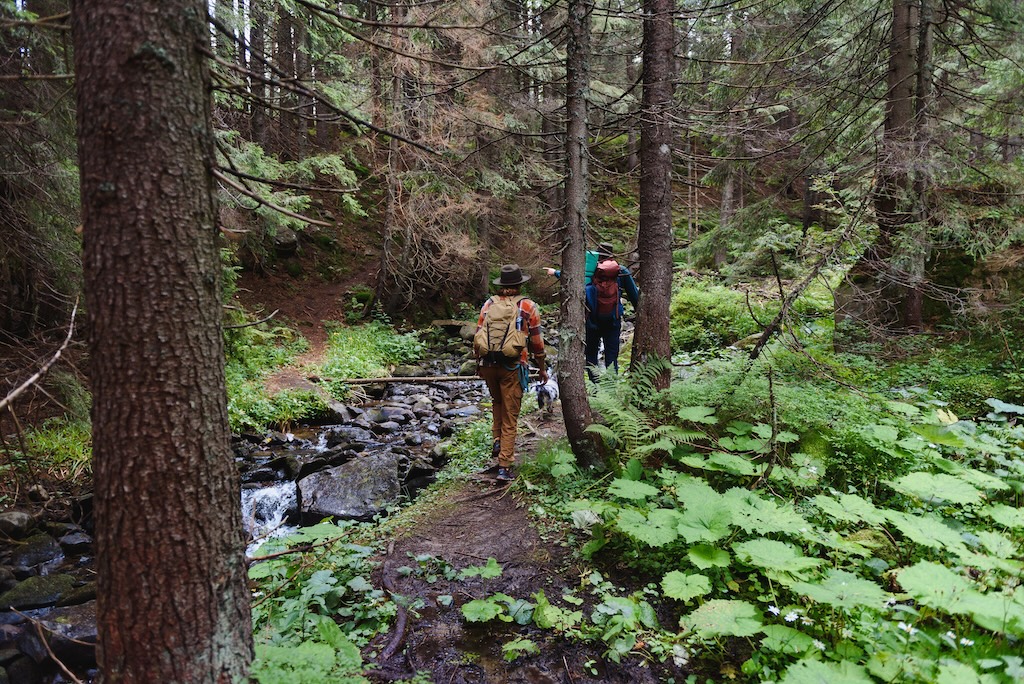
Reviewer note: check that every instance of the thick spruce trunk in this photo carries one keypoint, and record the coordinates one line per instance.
(173, 605)
(655, 236)
(571, 361)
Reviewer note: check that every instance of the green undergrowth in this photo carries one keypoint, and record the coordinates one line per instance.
(315, 608)
(253, 354)
(750, 537)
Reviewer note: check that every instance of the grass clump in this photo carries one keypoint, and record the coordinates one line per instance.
(368, 351)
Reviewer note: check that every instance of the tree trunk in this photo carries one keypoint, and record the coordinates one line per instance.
(878, 293)
(655, 237)
(257, 43)
(173, 604)
(571, 360)
(287, 123)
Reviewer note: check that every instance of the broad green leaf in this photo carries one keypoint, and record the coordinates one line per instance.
(707, 523)
(753, 512)
(481, 610)
(930, 487)
(927, 530)
(705, 556)
(1003, 407)
(999, 545)
(818, 672)
(548, 616)
(698, 414)
(683, 587)
(782, 639)
(953, 672)
(721, 617)
(631, 489)
(1007, 516)
(850, 508)
(780, 561)
(937, 434)
(695, 492)
(731, 463)
(844, 590)
(489, 571)
(981, 479)
(518, 647)
(936, 586)
(655, 529)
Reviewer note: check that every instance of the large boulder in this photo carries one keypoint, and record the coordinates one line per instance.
(37, 592)
(359, 489)
(70, 633)
(35, 552)
(16, 524)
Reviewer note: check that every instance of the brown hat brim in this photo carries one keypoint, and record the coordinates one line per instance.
(498, 281)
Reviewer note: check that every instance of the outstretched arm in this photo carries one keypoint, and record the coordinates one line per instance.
(628, 286)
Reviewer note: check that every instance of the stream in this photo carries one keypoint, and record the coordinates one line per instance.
(377, 451)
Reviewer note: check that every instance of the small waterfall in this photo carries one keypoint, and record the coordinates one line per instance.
(265, 510)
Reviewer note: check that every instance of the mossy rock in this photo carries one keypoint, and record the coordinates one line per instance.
(878, 542)
(37, 592)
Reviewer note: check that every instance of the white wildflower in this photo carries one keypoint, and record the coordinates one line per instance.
(774, 610)
(791, 616)
(964, 641)
(949, 635)
(804, 620)
(813, 470)
(680, 656)
(909, 629)
(820, 645)
(847, 633)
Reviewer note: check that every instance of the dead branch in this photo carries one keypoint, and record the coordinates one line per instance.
(45, 367)
(249, 325)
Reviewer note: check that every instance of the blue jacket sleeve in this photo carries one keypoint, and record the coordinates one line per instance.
(628, 286)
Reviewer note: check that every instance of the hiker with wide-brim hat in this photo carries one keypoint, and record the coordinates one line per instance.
(507, 334)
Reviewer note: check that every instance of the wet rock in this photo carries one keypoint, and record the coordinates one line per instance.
(462, 412)
(338, 411)
(7, 578)
(286, 242)
(7, 656)
(299, 464)
(71, 634)
(414, 439)
(78, 595)
(409, 371)
(468, 368)
(38, 493)
(467, 331)
(24, 671)
(358, 489)
(263, 474)
(387, 427)
(37, 592)
(75, 542)
(16, 524)
(396, 413)
(35, 552)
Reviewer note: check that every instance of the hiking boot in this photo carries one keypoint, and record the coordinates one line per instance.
(495, 448)
(505, 474)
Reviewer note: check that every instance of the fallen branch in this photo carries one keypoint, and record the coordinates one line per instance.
(420, 380)
(46, 366)
(249, 325)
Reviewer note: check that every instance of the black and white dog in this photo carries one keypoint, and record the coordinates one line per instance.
(547, 395)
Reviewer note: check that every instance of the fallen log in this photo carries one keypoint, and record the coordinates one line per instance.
(415, 380)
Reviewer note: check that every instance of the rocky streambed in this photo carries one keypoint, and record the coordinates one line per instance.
(367, 457)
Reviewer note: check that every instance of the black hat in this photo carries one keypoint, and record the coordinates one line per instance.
(511, 275)
(606, 250)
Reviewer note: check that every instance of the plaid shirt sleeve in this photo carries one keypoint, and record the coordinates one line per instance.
(536, 339)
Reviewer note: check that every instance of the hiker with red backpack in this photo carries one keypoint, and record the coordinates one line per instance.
(608, 282)
(507, 333)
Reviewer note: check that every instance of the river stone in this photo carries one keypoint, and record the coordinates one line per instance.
(16, 524)
(409, 371)
(338, 411)
(467, 331)
(397, 413)
(462, 412)
(82, 594)
(71, 633)
(8, 655)
(7, 578)
(24, 671)
(468, 368)
(75, 542)
(37, 550)
(286, 242)
(389, 426)
(37, 592)
(358, 489)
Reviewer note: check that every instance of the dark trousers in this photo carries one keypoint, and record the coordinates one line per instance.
(609, 334)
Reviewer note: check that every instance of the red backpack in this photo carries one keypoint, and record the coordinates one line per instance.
(606, 282)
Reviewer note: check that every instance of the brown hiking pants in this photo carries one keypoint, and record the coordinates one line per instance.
(506, 400)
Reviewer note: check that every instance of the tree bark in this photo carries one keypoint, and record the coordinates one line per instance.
(655, 236)
(571, 360)
(173, 604)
